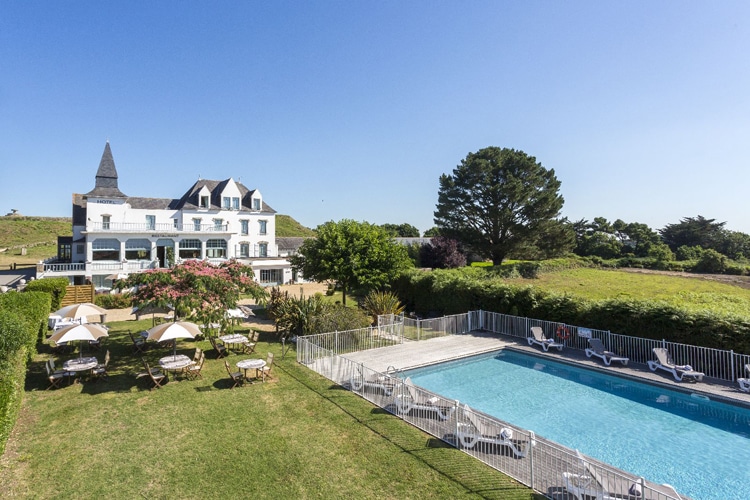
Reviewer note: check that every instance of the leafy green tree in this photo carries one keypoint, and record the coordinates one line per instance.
(432, 232)
(401, 230)
(736, 245)
(497, 200)
(694, 231)
(641, 238)
(352, 254)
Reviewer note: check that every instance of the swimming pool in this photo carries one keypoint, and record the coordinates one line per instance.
(700, 447)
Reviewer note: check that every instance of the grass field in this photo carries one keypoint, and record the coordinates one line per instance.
(295, 436)
(690, 293)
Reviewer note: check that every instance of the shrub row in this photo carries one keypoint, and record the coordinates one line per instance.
(23, 318)
(56, 287)
(456, 291)
(114, 301)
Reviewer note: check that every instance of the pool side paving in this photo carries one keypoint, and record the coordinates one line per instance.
(413, 354)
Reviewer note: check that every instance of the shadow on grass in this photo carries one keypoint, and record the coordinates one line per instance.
(440, 456)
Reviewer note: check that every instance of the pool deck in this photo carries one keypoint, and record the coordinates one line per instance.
(414, 354)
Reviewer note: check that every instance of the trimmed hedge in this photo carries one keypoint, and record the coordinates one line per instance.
(23, 319)
(56, 287)
(456, 291)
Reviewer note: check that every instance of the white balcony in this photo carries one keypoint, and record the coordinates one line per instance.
(139, 227)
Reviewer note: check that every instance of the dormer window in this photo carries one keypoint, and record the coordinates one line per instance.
(203, 201)
(235, 203)
(256, 203)
(225, 203)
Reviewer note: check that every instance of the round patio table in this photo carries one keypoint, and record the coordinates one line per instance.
(175, 363)
(80, 364)
(251, 364)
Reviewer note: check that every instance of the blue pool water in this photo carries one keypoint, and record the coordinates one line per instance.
(700, 447)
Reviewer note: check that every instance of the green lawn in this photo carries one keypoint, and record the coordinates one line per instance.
(689, 293)
(295, 436)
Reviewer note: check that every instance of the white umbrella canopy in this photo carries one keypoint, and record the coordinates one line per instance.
(176, 330)
(78, 311)
(88, 331)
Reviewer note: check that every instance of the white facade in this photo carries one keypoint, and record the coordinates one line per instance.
(115, 234)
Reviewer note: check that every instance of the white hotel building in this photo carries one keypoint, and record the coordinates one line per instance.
(115, 234)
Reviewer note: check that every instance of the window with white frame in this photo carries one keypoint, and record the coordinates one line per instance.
(235, 203)
(262, 249)
(151, 222)
(244, 249)
(190, 249)
(226, 202)
(138, 249)
(218, 223)
(203, 202)
(256, 203)
(197, 224)
(216, 249)
(105, 249)
(105, 221)
(176, 223)
(262, 226)
(244, 227)
(271, 275)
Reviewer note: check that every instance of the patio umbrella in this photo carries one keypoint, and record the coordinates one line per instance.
(78, 311)
(152, 310)
(88, 331)
(176, 330)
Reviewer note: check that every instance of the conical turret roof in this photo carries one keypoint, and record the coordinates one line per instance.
(106, 177)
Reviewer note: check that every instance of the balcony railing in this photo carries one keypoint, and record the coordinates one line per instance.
(165, 227)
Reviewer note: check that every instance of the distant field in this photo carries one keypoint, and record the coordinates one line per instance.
(16, 231)
(287, 227)
(691, 293)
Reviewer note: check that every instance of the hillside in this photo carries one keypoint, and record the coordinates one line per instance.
(287, 227)
(19, 230)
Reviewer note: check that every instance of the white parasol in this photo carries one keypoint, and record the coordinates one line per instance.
(88, 331)
(176, 330)
(78, 311)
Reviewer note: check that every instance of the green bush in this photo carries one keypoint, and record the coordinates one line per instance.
(447, 292)
(114, 301)
(711, 261)
(13, 334)
(56, 287)
(33, 308)
(12, 379)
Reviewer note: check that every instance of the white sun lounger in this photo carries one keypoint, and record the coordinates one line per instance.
(665, 362)
(745, 382)
(475, 431)
(595, 483)
(537, 337)
(597, 349)
(412, 399)
(376, 381)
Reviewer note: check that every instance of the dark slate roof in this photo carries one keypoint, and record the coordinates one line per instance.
(152, 203)
(79, 210)
(290, 243)
(189, 200)
(106, 177)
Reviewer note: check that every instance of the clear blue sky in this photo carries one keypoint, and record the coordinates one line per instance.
(353, 109)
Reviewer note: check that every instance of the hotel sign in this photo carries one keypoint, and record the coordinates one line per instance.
(164, 235)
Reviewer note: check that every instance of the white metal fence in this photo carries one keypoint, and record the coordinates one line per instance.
(554, 470)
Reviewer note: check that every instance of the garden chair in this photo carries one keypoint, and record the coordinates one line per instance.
(376, 381)
(100, 371)
(221, 349)
(156, 376)
(55, 377)
(265, 371)
(237, 377)
(194, 371)
(139, 344)
(249, 345)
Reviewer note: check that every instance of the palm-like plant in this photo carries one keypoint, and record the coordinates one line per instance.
(379, 303)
